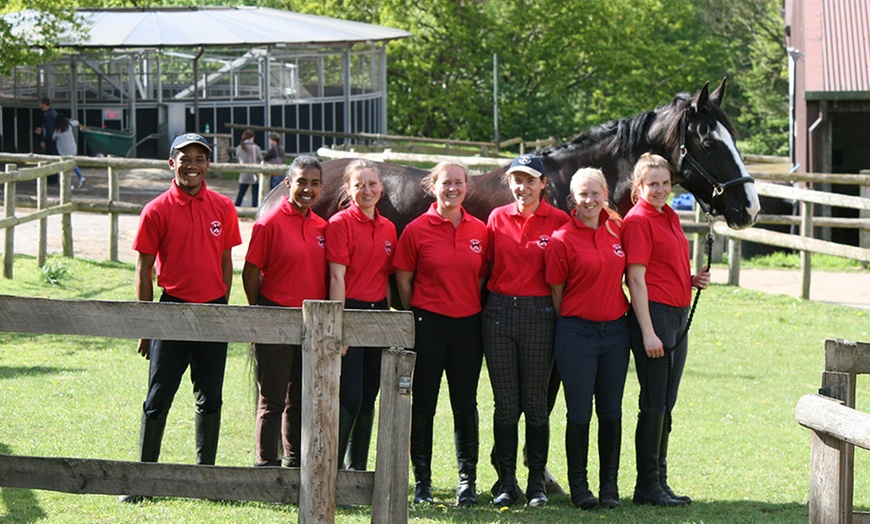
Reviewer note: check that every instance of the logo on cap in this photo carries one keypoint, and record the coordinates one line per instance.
(525, 159)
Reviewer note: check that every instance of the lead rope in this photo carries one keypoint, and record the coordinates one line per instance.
(710, 239)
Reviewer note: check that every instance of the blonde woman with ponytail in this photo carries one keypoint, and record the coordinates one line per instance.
(585, 265)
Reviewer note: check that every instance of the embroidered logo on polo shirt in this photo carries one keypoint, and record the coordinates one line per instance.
(475, 245)
(543, 241)
(617, 250)
(388, 246)
(321, 241)
(216, 228)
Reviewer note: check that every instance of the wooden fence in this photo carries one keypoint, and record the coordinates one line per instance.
(363, 143)
(322, 327)
(805, 242)
(837, 428)
(693, 223)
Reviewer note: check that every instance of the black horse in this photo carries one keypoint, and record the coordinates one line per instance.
(692, 132)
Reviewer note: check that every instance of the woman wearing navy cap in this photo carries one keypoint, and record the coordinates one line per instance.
(518, 327)
(440, 265)
(660, 282)
(585, 268)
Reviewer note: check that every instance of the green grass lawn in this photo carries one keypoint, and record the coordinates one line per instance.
(736, 448)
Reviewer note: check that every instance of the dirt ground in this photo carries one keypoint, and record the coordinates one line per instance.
(90, 238)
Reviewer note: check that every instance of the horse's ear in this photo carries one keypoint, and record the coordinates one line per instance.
(719, 94)
(701, 98)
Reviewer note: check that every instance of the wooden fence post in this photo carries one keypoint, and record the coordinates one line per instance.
(66, 218)
(841, 386)
(9, 232)
(42, 203)
(390, 498)
(114, 196)
(806, 231)
(735, 253)
(322, 334)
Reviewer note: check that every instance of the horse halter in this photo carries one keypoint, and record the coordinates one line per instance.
(718, 187)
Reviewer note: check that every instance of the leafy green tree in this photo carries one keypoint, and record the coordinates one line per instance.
(751, 32)
(51, 17)
(564, 65)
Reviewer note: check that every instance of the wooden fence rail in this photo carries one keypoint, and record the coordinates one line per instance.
(837, 429)
(322, 327)
(805, 242)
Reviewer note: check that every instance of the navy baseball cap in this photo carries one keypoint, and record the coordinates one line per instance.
(187, 139)
(530, 164)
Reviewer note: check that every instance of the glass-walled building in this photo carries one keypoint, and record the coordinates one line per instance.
(149, 94)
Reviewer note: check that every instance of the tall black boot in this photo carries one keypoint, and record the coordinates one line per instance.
(577, 454)
(360, 438)
(421, 456)
(505, 451)
(345, 426)
(537, 448)
(609, 445)
(663, 462)
(150, 439)
(208, 428)
(648, 489)
(467, 441)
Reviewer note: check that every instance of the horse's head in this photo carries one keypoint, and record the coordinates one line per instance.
(702, 144)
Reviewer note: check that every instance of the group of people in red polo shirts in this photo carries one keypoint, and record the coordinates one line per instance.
(555, 302)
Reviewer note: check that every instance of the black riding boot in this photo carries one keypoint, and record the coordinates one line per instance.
(467, 441)
(648, 489)
(208, 428)
(506, 442)
(360, 438)
(663, 462)
(609, 444)
(345, 426)
(577, 453)
(421, 456)
(537, 444)
(150, 438)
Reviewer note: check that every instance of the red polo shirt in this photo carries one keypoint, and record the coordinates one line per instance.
(591, 264)
(657, 241)
(517, 244)
(188, 235)
(365, 247)
(448, 263)
(290, 250)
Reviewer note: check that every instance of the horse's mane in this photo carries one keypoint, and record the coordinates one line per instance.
(627, 132)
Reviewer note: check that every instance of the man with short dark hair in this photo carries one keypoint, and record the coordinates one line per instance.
(189, 231)
(49, 115)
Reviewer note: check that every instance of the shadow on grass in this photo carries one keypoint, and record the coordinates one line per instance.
(31, 371)
(560, 510)
(21, 504)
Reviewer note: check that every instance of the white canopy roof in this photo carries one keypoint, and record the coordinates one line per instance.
(211, 26)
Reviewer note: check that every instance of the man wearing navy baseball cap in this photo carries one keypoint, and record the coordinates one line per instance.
(189, 232)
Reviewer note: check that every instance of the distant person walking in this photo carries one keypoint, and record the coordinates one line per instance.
(248, 153)
(276, 156)
(66, 143)
(49, 116)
